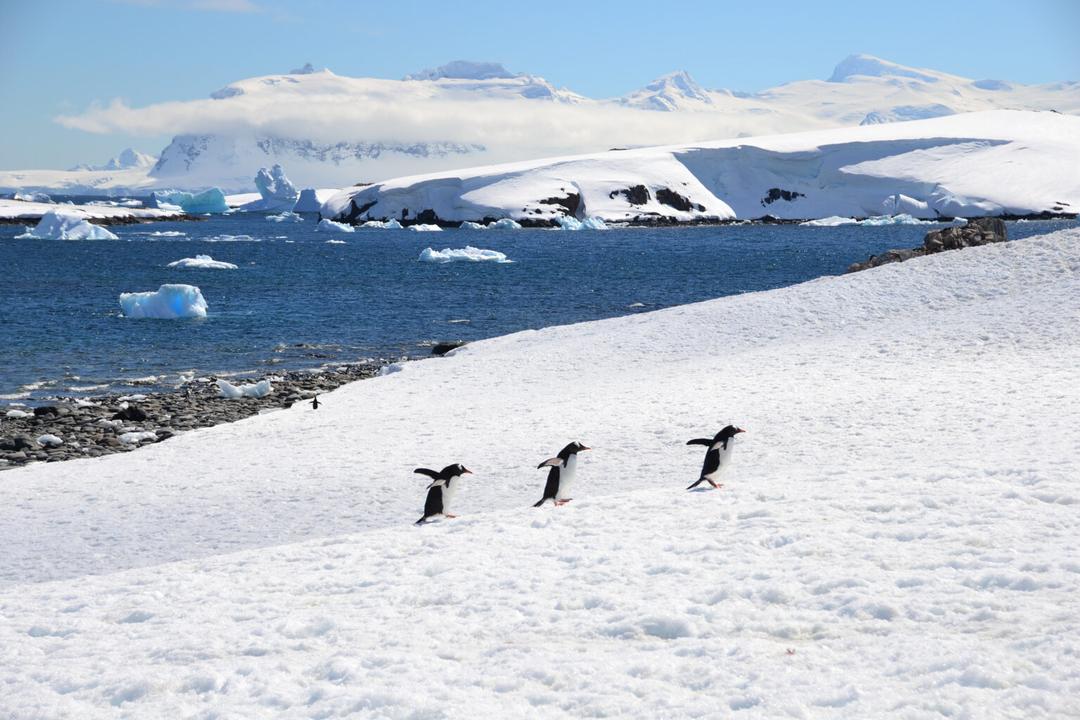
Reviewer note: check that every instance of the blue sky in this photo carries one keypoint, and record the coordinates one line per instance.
(60, 56)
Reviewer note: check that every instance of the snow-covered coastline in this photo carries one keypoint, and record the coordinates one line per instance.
(20, 211)
(1001, 162)
(896, 536)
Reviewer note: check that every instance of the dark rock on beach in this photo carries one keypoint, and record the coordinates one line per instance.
(101, 425)
(979, 231)
(445, 347)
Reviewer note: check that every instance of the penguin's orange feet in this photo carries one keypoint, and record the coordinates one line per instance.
(449, 516)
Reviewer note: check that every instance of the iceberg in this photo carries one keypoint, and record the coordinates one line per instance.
(38, 197)
(278, 193)
(470, 225)
(388, 225)
(167, 302)
(202, 262)
(465, 254)
(252, 390)
(831, 221)
(567, 222)
(331, 226)
(505, 224)
(425, 228)
(207, 201)
(61, 225)
(287, 216)
(902, 219)
(308, 202)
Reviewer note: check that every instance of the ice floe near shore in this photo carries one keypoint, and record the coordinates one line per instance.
(465, 254)
(254, 390)
(167, 302)
(326, 225)
(879, 220)
(202, 262)
(67, 225)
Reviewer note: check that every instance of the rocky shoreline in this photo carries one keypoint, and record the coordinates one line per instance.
(72, 428)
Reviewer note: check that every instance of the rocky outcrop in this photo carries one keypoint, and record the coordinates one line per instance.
(979, 231)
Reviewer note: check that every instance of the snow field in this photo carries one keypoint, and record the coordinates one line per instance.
(896, 536)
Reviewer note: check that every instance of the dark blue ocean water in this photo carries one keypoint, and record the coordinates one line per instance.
(298, 301)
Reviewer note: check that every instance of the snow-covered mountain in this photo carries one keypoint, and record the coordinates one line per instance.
(987, 163)
(331, 130)
(127, 159)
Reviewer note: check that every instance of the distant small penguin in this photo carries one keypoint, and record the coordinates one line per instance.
(444, 486)
(560, 480)
(718, 455)
(315, 403)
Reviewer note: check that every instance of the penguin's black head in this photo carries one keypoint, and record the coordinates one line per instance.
(572, 449)
(729, 432)
(455, 470)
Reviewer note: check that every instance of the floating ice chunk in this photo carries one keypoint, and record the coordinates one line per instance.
(466, 254)
(567, 222)
(66, 225)
(208, 201)
(307, 202)
(167, 302)
(253, 390)
(287, 216)
(203, 262)
(48, 440)
(38, 197)
(231, 238)
(902, 219)
(470, 225)
(505, 224)
(326, 225)
(336, 242)
(388, 225)
(831, 221)
(135, 437)
(425, 228)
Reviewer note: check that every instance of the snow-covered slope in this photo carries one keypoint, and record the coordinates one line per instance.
(127, 159)
(330, 130)
(990, 163)
(896, 537)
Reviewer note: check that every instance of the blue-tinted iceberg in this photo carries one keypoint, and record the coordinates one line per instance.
(207, 201)
(425, 228)
(470, 225)
(167, 302)
(307, 202)
(388, 225)
(60, 225)
(505, 224)
(278, 193)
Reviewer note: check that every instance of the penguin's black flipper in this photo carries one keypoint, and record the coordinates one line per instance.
(550, 462)
(707, 442)
(551, 488)
(433, 474)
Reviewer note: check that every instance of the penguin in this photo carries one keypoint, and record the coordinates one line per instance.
(315, 403)
(560, 479)
(441, 491)
(717, 457)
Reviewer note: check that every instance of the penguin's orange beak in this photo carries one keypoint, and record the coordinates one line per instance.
(739, 431)
(584, 449)
(467, 471)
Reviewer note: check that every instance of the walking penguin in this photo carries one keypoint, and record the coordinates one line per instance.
(718, 455)
(441, 491)
(560, 478)
(315, 402)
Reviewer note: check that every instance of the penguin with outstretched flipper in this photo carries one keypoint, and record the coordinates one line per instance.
(718, 455)
(561, 477)
(440, 493)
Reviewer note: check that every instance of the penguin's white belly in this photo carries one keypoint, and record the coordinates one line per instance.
(448, 493)
(722, 460)
(566, 479)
